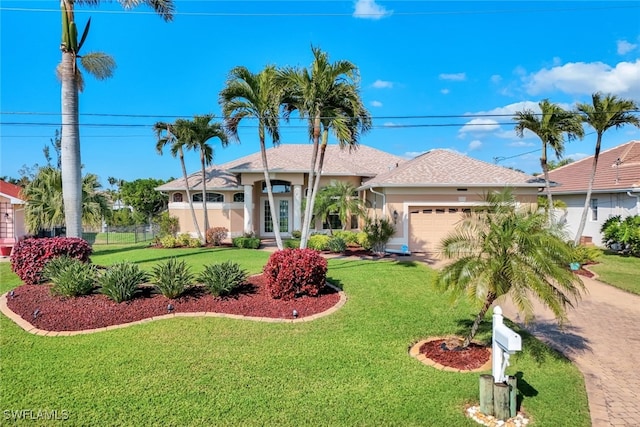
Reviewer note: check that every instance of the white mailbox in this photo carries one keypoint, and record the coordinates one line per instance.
(505, 342)
(507, 338)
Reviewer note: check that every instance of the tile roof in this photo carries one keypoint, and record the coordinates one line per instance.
(618, 169)
(441, 167)
(11, 190)
(363, 161)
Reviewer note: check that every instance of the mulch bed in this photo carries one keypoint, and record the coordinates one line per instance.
(442, 352)
(98, 311)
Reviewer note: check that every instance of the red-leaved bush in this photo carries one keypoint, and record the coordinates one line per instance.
(295, 272)
(29, 256)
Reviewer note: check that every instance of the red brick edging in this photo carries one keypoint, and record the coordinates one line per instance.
(33, 330)
(414, 351)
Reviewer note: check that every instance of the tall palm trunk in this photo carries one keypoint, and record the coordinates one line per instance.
(70, 148)
(204, 194)
(545, 170)
(306, 224)
(316, 185)
(587, 200)
(275, 219)
(186, 181)
(491, 297)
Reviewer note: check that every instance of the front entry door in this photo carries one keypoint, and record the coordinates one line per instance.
(283, 211)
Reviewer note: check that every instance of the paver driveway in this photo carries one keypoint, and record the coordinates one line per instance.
(602, 337)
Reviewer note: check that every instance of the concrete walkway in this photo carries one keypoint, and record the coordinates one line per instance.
(602, 338)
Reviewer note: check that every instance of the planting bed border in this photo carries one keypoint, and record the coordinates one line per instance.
(414, 351)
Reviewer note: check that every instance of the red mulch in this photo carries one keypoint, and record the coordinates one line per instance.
(98, 311)
(584, 272)
(469, 358)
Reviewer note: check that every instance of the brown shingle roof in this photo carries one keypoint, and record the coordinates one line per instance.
(618, 169)
(447, 168)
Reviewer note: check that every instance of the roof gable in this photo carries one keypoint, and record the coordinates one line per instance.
(618, 169)
(442, 167)
(12, 192)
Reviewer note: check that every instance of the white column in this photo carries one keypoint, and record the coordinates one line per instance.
(248, 209)
(297, 207)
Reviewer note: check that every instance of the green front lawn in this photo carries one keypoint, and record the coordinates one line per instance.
(619, 271)
(350, 368)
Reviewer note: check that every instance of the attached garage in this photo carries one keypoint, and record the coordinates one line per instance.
(428, 225)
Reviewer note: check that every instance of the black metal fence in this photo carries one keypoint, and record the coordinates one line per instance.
(122, 235)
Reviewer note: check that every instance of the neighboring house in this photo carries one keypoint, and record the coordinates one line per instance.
(12, 221)
(616, 189)
(425, 196)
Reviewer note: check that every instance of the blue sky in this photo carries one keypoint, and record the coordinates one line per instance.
(433, 74)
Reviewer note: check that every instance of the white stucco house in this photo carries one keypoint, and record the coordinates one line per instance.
(616, 189)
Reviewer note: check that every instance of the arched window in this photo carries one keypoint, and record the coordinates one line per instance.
(238, 198)
(177, 197)
(277, 186)
(211, 197)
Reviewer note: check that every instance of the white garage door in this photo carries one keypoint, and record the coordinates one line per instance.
(429, 225)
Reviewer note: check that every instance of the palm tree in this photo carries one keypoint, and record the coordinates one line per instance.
(45, 206)
(99, 65)
(549, 126)
(506, 250)
(197, 133)
(328, 96)
(339, 198)
(256, 96)
(603, 113)
(172, 134)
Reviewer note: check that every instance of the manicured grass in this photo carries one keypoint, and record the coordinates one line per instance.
(619, 271)
(350, 368)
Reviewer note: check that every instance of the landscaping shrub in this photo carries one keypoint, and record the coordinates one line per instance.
(168, 225)
(292, 243)
(585, 254)
(31, 255)
(172, 277)
(194, 242)
(296, 234)
(71, 277)
(319, 242)
(622, 235)
(337, 245)
(168, 241)
(363, 240)
(183, 239)
(246, 242)
(221, 279)
(295, 272)
(379, 231)
(349, 237)
(216, 235)
(120, 282)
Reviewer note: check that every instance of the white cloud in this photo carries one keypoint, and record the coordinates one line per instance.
(577, 156)
(412, 154)
(444, 91)
(457, 77)
(376, 104)
(510, 110)
(382, 84)
(390, 125)
(521, 144)
(369, 9)
(477, 126)
(625, 47)
(496, 78)
(475, 145)
(586, 78)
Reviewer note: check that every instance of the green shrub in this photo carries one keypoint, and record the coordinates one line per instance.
(363, 240)
(172, 277)
(168, 225)
(194, 242)
(585, 254)
(120, 282)
(292, 243)
(379, 231)
(337, 244)
(622, 235)
(221, 279)
(168, 241)
(246, 242)
(183, 239)
(318, 242)
(216, 235)
(71, 277)
(349, 237)
(296, 234)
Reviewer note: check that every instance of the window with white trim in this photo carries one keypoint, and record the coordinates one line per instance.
(594, 209)
(211, 197)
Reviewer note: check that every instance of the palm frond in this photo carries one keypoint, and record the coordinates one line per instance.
(98, 64)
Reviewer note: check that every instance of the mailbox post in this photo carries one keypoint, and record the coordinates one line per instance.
(505, 342)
